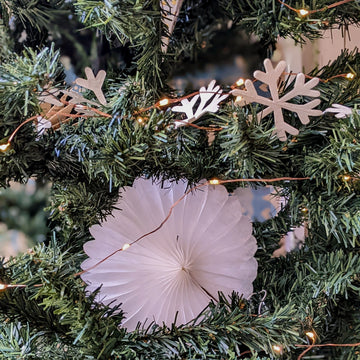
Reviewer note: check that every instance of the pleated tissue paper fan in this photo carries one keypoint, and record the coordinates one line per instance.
(206, 246)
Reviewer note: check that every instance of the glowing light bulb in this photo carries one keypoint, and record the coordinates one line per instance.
(238, 98)
(164, 102)
(304, 210)
(4, 147)
(277, 349)
(214, 182)
(350, 76)
(240, 82)
(125, 246)
(3, 286)
(310, 335)
(303, 12)
(140, 120)
(346, 177)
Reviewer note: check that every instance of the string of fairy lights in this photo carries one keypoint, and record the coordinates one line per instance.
(163, 104)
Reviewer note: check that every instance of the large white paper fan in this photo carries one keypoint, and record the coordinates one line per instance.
(205, 247)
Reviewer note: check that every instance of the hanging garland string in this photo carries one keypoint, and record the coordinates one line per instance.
(160, 105)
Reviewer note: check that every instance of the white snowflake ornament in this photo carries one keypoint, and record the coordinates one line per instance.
(206, 246)
(210, 98)
(277, 104)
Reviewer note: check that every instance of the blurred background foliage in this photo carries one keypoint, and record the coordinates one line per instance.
(23, 219)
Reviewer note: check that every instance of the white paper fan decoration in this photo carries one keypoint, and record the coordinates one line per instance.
(206, 246)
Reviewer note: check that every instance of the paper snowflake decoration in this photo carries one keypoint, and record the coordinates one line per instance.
(340, 111)
(59, 105)
(206, 246)
(210, 98)
(277, 104)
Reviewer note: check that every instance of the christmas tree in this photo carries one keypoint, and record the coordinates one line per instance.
(131, 158)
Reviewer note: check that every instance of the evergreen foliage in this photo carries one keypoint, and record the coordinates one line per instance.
(315, 287)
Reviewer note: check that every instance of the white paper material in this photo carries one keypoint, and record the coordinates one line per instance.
(206, 246)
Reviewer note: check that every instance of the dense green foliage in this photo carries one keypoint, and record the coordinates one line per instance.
(87, 161)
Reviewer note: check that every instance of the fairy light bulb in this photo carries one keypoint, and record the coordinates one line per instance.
(140, 120)
(346, 177)
(164, 102)
(3, 286)
(311, 336)
(240, 82)
(350, 76)
(214, 182)
(304, 210)
(125, 246)
(303, 12)
(238, 99)
(277, 349)
(4, 147)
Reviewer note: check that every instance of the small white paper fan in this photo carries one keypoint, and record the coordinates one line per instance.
(206, 246)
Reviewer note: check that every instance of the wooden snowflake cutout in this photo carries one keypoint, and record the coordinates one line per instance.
(194, 109)
(277, 104)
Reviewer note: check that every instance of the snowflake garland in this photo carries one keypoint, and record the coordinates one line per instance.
(277, 104)
(55, 107)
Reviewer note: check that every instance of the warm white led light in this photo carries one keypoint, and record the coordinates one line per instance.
(240, 82)
(4, 147)
(303, 12)
(164, 102)
(214, 182)
(125, 246)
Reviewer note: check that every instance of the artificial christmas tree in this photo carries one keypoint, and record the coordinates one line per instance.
(92, 135)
